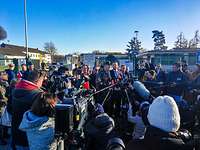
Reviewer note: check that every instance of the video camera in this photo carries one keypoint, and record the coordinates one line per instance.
(71, 116)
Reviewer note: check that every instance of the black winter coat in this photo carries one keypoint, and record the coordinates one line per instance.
(181, 81)
(22, 101)
(156, 139)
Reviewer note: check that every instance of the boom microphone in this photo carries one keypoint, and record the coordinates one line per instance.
(141, 90)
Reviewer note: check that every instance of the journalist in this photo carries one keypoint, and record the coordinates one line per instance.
(99, 130)
(163, 133)
(23, 96)
(38, 123)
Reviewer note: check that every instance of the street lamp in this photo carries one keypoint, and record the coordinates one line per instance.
(26, 31)
(134, 53)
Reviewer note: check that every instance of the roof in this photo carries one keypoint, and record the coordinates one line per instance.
(14, 50)
(171, 51)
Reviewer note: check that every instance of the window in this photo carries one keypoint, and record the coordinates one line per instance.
(192, 60)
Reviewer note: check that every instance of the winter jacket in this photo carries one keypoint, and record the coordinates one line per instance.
(39, 130)
(22, 74)
(161, 76)
(11, 75)
(23, 96)
(98, 131)
(157, 139)
(115, 75)
(179, 79)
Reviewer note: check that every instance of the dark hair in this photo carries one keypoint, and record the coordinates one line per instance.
(152, 72)
(23, 64)
(34, 75)
(107, 63)
(178, 65)
(41, 106)
(62, 69)
(86, 66)
(123, 65)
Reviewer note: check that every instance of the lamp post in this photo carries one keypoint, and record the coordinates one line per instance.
(26, 32)
(134, 53)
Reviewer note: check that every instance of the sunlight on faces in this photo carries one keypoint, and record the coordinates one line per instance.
(115, 66)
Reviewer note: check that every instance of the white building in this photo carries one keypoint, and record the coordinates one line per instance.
(91, 59)
(9, 52)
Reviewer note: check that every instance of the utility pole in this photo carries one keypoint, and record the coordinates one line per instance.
(134, 54)
(26, 32)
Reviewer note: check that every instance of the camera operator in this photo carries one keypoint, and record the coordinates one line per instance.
(24, 94)
(99, 130)
(38, 123)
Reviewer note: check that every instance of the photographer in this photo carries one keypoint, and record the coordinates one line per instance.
(99, 130)
(23, 96)
(39, 124)
(164, 130)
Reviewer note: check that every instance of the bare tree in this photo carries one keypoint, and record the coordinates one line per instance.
(50, 48)
(181, 41)
(3, 33)
(195, 42)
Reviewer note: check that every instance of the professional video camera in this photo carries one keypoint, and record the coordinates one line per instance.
(71, 116)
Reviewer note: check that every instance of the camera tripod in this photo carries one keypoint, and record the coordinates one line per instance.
(117, 108)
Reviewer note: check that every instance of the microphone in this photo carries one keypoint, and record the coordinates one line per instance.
(141, 90)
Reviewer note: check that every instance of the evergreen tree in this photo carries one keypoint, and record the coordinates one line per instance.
(181, 42)
(134, 45)
(159, 40)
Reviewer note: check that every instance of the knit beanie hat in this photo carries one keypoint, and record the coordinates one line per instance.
(164, 114)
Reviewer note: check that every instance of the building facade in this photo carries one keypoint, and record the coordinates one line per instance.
(9, 52)
(168, 57)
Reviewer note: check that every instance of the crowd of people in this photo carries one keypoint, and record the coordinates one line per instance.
(156, 123)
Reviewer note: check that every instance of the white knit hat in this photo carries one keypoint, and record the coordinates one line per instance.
(164, 114)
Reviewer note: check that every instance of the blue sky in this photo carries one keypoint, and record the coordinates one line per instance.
(86, 25)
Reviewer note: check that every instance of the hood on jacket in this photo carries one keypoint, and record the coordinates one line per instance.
(102, 124)
(31, 121)
(25, 84)
(26, 90)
